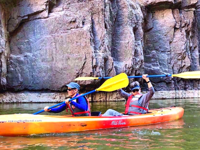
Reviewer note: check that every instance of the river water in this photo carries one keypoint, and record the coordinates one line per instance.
(183, 134)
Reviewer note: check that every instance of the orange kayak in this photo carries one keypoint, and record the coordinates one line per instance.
(28, 124)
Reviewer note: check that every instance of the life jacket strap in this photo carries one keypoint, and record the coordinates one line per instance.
(83, 112)
(69, 109)
(139, 107)
(135, 112)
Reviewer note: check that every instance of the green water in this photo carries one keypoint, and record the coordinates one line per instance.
(183, 134)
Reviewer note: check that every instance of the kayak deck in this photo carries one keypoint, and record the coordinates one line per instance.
(27, 124)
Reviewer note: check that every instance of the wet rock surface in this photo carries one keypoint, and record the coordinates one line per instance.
(53, 42)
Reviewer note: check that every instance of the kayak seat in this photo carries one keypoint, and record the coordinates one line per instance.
(95, 113)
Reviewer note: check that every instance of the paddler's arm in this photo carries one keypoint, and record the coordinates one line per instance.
(147, 80)
(123, 94)
(57, 109)
(150, 87)
(144, 100)
(82, 105)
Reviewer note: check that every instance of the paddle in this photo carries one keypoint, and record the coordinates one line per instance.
(115, 83)
(184, 75)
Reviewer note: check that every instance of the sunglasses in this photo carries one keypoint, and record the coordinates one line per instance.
(135, 90)
(70, 89)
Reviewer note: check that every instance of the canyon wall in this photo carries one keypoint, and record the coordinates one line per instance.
(46, 44)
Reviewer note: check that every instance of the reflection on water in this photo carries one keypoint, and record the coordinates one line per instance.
(181, 134)
(133, 137)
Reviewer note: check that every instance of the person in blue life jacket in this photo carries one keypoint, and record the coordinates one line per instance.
(136, 103)
(78, 107)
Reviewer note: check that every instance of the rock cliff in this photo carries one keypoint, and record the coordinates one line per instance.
(48, 43)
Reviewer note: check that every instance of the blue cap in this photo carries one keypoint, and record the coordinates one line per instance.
(73, 85)
(136, 87)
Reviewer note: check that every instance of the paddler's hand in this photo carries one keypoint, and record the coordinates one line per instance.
(47, 108)
(73, 107)
(144, 76)
(67, 101)
(147, 80)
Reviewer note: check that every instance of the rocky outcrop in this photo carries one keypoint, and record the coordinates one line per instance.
(171, 44)
(50, 49)
(54, 41)
(52, 45)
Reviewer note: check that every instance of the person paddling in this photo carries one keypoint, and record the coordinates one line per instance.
(78, 107)
(136, 103)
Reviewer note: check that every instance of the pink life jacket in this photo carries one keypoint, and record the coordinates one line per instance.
(133, 107)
